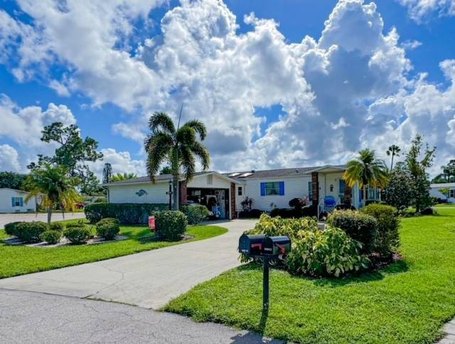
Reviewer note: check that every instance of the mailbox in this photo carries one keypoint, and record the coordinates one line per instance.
(277, 245)
(152, 223)
(252, 245)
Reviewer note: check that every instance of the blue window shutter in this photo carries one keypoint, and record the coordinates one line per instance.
(281, 184)
(262, 189)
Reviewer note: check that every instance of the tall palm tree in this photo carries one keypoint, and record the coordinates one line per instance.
(365, 170)
(54, 186)
(393, 150)
(178, 146)
(122, 176)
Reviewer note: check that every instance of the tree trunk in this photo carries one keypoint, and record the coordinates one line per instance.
(175, 189)
(391, 163)
(49, 215)
(364, 195)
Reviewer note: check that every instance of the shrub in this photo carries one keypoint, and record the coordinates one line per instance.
(428, 211)
(297, 203)
(77, 235)
(108, 228)
(286, 213)
(325, 253)
(51, 236)
(277, 226)
(57, 226)
(170, 224)
(388, 239)
(358, 226)
(30, 231)
(78, 223)
(10, 228)
(126, 213)
(195, 213)
(250, 214)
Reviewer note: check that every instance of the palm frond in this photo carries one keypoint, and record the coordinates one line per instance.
(198, 127)
(161, 121)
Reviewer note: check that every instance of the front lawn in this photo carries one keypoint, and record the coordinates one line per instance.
(19, 260)
(408, 302)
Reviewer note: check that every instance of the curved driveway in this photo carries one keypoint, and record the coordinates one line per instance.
(148, 279)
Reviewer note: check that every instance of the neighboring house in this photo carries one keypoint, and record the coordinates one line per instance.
(435, 191)
(267, 188)
(13, 201)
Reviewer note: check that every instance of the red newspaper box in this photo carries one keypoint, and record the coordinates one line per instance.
(152, 225)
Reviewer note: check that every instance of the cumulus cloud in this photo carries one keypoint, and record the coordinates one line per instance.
(9, 159)
(420, 10)
(347, 89)
(121, 162)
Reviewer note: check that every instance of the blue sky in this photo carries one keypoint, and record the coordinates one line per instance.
(368, 74)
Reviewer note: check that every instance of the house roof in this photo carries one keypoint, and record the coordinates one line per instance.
(19, 191)
(282, 172)
(442, 185)
(164, 178)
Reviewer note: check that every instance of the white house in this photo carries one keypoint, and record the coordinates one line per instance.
(435, 191)
(13, 201)
(322, 186)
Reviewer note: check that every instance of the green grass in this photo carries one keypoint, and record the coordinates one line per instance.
(408, 302)
(19, 260)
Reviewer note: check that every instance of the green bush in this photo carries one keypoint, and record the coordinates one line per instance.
(170, 224)
(78, 223)
(51, 236)
(108, 228)
(57, 226)
(10, 228)
(126, 213)
(195, 213)
(273, 226)
(30, 231)
(388, 223)
(325, 253)
(358, 226)
(77, 235)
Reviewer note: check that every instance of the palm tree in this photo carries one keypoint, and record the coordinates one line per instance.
(125, 176)
(179, 147)
(54, 186)
(365, 170)
(393, 150)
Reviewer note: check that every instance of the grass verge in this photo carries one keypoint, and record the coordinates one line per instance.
(19, 260)
(408, 302)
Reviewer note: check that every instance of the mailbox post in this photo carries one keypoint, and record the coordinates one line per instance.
(265, 247)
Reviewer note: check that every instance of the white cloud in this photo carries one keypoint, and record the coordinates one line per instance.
(9, 159)
(419, 10)
(121, 163)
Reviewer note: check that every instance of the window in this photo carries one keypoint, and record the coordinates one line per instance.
(17, 201)
(452, 193)
(272, 188)
(240, 191)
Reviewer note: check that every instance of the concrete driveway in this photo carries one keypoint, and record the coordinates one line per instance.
(7, 218)
(148, 279)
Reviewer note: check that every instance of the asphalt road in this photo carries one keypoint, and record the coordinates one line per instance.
(39, 318)
(148, 279)
(7, 218)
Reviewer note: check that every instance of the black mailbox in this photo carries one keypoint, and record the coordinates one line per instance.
(252, 245)
(277, 245)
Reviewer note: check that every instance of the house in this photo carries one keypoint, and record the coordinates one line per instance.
(13, 201)
(321, 186)
(443, 191)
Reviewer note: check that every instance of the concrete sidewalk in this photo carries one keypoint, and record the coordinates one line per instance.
(148, 279)
(47, 319)
(28, 217)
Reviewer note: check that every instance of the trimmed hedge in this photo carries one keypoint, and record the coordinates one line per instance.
(10, 228)
(388, 223)
(195, 213)
(250, 214)
(358, 226)
(78, 235)
(51, 236)
(170, 224)
(57, 226)
(108, 228)
(30, 231)
(126, 213)
(276, 226)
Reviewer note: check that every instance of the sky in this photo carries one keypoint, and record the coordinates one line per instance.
(289, 83)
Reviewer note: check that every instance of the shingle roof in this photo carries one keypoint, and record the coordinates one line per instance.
(278, 173)
(146, 179)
